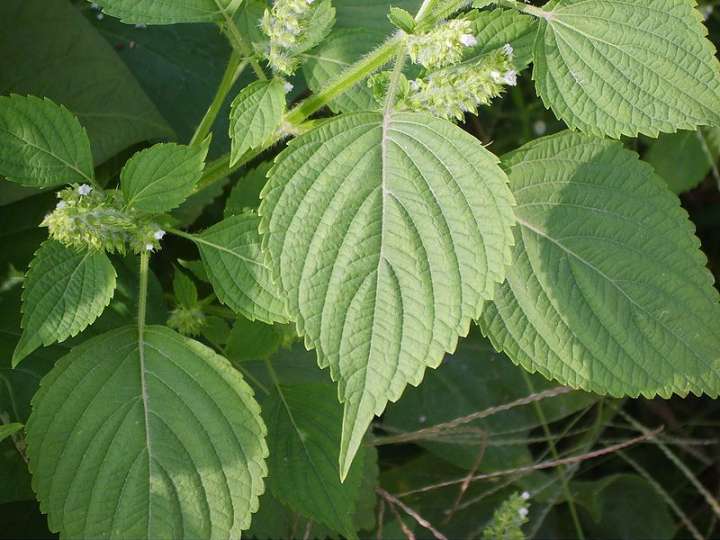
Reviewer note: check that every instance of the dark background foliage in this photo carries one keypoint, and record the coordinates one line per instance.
(130, 85)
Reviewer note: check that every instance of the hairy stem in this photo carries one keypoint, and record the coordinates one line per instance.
(142, 294)
(525, 8)
(235, 67)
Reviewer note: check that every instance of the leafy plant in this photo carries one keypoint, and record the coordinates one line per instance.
(324, 190)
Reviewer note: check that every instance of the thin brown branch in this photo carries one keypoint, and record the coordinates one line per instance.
(393, 501)
(539, 466)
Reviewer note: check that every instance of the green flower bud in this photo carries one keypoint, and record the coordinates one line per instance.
(188, 321)
(88, 218)
(453, 91)
(284, 24)
(508, 519)
(442, 46)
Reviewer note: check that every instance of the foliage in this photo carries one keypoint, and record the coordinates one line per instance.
(386, 184)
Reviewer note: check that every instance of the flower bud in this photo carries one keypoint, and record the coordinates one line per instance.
(442, 46)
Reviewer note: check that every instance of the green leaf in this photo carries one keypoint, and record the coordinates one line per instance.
(402, 19)
(186, 293)
(609, 290)
(161, 177)
(50, 49)
(230, 251)
(683, 159)
(7, 430)
(169, 11)
(156, 437)
(245, 194)
(65, 291)
(370, 14)
(321, 22)
(386, 235)
(255, 340)
(304, 424)
(332, 57)
(493, 29)
(255, 114)
(612, 67)
(42, 144)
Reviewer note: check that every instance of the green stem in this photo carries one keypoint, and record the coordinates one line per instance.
(525, 8)
(220, 168)
(553, 450)
(235, 67)
(345, 81)
(240, 45)
(395, 78)
(142, 295)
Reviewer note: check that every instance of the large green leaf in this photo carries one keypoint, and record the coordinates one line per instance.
(386, 234)
(623, 67)
(49, 49)
(370, 14)
(304, 423)
(230, 251)
(161, 177)
(65, 291)
(609, 290)
(42, 144)
(255, 114)
(169, 11)
(156, 437)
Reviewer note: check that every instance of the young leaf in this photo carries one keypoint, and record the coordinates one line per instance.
(386, 235)
(161, 177)
(184, 289)
(493, 29)
(64, 292)
(151, 438)
(230, 251)
(609, 290)
(616, 68)
(303, 435)
(402, 19)
(169, 11)
(42, 144)
(255, 114)
(321, 22)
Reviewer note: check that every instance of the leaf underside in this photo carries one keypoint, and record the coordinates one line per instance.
(608, 291)
(153, 439)
(386, 234)
(618, 67)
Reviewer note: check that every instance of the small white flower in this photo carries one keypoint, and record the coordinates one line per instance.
(525, 495)
(508, 50)
(510, 78)
(495, 76)
(309, 1)
(100, 16)
(141, 25)
(158, 235)
(288, 86)
(468, 40)
(61, 204)
(539, 128)
(149, 247)
(523, 512)
(422, 419)
(84, 189)
(707, 11)
(414, 85)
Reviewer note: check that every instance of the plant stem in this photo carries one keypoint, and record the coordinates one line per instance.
(345, 81)
(525, 8)
(395, 79)
(556, 456)
(220, 168)
(142, 294)
(235, 67)
(240, 45)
